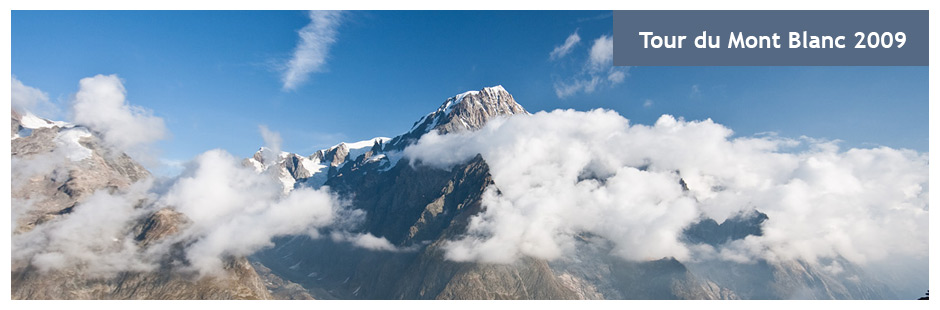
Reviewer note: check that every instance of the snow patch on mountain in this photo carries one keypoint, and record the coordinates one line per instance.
(31, 121)
(366, 143)
(70, 141)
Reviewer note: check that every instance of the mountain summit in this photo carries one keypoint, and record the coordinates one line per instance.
(471, 110)
(466, 111)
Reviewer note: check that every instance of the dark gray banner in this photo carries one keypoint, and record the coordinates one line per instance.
(771, 38)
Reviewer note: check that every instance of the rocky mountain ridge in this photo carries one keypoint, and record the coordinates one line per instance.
(57, 166)
(470, 110)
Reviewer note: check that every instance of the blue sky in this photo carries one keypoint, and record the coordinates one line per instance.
(215, 76)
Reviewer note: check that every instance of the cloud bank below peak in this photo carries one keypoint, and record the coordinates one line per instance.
(564, 173)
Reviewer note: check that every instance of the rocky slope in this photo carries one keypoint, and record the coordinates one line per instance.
(241, 282)
(57, 166)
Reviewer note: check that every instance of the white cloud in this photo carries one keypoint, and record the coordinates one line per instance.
(562, 50)
(25, 98)
(616, 76)
(648, 103)
(575, 86)
(597, 71)
(563, 173)
(366, 241)
(272, 143)
(312, 50)
(602, 52)
(236, 211)
(231, 209)
(101, 105)
(96, 236)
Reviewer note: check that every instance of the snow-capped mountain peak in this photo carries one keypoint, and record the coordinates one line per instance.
(469, 110)
(313, 170)
(28, 120)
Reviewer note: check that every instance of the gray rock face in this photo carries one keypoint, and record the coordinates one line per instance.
(413, 205)
(738, 227)
(278, 287)
(241, 282)
(596, 274)
(418, 208)
(792, 280)
(471, 110)
(294, 166)
(15, 125)
(433, 277)
(54, 168)
(158, 226)
(336, 155)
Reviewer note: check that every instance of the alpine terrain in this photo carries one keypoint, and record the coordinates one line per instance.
(418, 209)
(409, 212)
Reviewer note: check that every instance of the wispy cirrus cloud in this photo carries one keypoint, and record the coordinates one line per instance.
(696, 92)
(565, 48)
(311, 52)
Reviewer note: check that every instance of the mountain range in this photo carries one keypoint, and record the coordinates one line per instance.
(417, 209)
